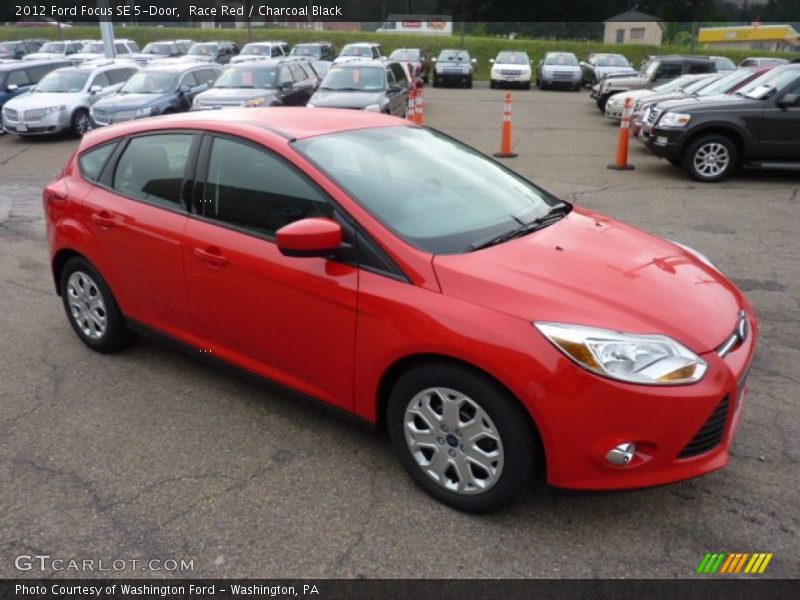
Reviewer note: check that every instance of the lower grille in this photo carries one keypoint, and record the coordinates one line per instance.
(36, 114)
(710, 435)
(511, 72)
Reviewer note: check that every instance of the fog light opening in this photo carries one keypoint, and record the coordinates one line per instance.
(622, 454)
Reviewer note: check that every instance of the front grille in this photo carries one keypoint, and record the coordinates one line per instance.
(510, 72)
(124, 115)
(220, 103)
(456, 71)
(710, 434)
(10, 114)
(563, 74)
(652, 115)
(36, 114)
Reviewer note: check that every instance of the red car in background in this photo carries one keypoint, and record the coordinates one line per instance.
(416, 58)
(493, 329)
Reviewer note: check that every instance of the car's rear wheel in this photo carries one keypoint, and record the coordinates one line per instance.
(526, 85)
(540, 84)
(710, 158)
(81, 123)
(91, 308)
(469, 82)
(492, 84)
(461, 436)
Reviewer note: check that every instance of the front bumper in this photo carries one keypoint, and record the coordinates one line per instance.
(50, 124)
(448, 77)
(556, 81)
(589, 415)
(665, 142)
(500, 77)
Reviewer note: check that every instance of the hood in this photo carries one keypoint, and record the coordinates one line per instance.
(128, 101)
(716, 100)
(624, 81)
(664, 97)
(81, 56)
(44, 56)
(43, 100)
(643, 95)
(510, 66)
(570, 68)
(613, 71)
(248, 58)
(714, 103)
(192, 58)
(592, 270)
(140, 57)
(333, 99)
(340, 59)
(453, 63)
(227, 95)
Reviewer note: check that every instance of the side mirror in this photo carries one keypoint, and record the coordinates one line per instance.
(474, 61)
(12, 87)
(491, 61)
(433, 60)
(309, 237)
(789, 101)
(395, 87)
(95, 89)
(286, 85)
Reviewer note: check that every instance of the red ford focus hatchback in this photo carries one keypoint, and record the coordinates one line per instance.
(393, 273)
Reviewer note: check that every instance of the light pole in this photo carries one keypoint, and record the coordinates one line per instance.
(106, 30)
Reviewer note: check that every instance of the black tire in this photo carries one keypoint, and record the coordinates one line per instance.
(81, 122)
(526, 85)
(469, 83)
(676, 162)
(601, 103)
(115, 336)
(492, 84)
(436, 82)
(716, 145)
(541, 85)
(519, 447)
(577, 87)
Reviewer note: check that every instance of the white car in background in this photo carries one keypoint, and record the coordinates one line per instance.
(261, 51)
(56, 51)
(616, 103)
(510, 68)
(96, 49)
(62, 99)
(360, 51)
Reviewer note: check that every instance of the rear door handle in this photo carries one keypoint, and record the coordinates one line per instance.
(104, 219)
(212, 257)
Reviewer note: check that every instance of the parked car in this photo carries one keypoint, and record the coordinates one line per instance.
(559, 69)
(315, 51)
(18, 77)
(769, 61)
(63, 98)
(677, 88)
(96, 50)
(55, 51)
(360, 51)
(759, 127)
(417, 57)
(599, 66)
(391, 272)
(159, 50)
(321, 67)
(212, 52)
(272, 82)
(727, 84)
(377, 86)
(693, 86)
(659, 69)
(724, 64)
(16, 49)
(161, 88)
(453, 67)
(510, 68)
(261, 51)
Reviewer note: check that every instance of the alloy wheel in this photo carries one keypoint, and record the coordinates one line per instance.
(86, 304)
(83, 123)
(453, 440)
(711, 159)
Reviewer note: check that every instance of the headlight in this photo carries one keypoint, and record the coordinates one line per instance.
(373, 108)
(53, 109)
(145, 112)
(629, 357)
(309, 105)
(255, 102)
(671, 119)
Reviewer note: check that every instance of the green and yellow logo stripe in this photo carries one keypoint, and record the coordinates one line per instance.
(734, 562)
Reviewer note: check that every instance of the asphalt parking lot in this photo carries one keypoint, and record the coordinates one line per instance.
(149, 454)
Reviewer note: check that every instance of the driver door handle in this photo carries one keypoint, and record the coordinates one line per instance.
(212, 257)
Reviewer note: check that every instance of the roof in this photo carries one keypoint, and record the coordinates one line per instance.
(178, 66)
(288, 122)
(362, 63)
(632, 16)
(26, 64)
(748, 33)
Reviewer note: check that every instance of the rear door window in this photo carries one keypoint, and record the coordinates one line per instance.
(93, 161)
(19, 78)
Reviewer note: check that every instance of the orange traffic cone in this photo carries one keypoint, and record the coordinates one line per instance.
(419, 107)
(621, 161)
(505, 142)
(411, 113)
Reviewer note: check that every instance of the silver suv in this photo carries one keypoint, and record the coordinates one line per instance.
(261, 51)
(62, 99)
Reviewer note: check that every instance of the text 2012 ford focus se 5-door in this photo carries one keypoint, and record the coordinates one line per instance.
(493, 329)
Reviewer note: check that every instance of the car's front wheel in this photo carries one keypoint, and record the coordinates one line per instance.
(81, 123)
(710, 158)
(461, 436)
(91, 308)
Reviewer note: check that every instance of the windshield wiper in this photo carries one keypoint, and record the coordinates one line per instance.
(557, 213)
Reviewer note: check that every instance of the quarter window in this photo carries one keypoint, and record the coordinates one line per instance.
(19, 78)
(251, 188)
(93, 161)
(152, 168)
(101, 80)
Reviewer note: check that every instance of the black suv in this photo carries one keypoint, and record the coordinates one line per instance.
(314, 50)
(16, 49)
(759, 127)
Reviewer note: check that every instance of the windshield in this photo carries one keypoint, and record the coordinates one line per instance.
(256, 50)
(367, 79)
(512, 58)
(698, 83)
(612, 60)
(561, 59)
(405, 54)
(303, 50)
(150, 83)
(159, 49)
(673, 84)
(454, 56)
(8, 48)
(265, 78)
(63, 82)
(775, 79)
(362, 51)
(54, 47)
(724, 64)
(204, 50)
(462, 198)
(724, 84)
(93, 48)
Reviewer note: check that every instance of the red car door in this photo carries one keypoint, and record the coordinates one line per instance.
(137, 218)
(291, 320)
